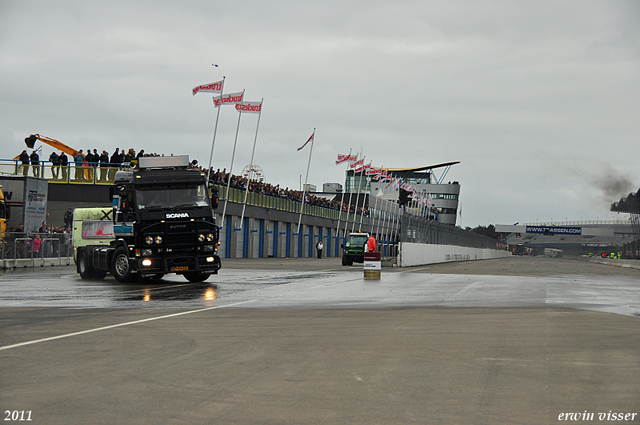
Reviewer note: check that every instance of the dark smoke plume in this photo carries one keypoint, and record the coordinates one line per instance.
(612, 184)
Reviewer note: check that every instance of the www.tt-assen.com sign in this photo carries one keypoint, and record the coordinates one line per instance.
(555, 230)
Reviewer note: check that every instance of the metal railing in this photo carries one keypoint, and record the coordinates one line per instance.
(19, 246)
(104, 175)
(417, 229)
(100, 174)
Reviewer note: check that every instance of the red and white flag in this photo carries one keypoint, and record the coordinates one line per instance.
(363, 168)
(228, 99)
(249, 107)
(342, 158)
(376, 172)
(305, 143)
(356, 163)
(210, 88)
(345, 158)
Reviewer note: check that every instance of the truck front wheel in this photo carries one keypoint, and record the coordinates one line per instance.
(195, 277)
(120, 266)
(84, 266)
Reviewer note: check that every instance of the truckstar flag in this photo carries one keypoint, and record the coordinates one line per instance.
(345, 158)
(211, 88)
(228, 99)
(356, 164)
(249, 107)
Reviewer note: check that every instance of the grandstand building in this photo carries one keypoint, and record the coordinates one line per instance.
(444, 197)
(573, 238)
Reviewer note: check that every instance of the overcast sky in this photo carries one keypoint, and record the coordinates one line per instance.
(539, 101)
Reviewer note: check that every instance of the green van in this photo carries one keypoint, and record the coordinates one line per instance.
(353, 249)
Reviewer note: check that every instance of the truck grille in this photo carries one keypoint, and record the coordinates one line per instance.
(181, 234)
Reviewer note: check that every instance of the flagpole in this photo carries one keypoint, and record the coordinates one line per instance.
(375, 207)
(342, 199)
(305, 181)
(346, 223)
(397, 218)
(215, 129)
(355, 215)
(233, 154)
(364, 174)
(246, 192)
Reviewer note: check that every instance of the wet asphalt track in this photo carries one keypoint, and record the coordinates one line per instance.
(520, 340)
(309, 283)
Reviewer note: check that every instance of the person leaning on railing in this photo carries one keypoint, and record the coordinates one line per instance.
(55, 165)
(35, 163)
(64, 162)
(24, 159)
(78, 158)
(104, 164)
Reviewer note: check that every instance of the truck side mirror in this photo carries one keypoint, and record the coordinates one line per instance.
(213, 194)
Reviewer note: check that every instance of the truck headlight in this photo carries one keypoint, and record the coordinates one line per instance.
(200, 237)
(210, 237)
(146, 262)
(148, 240)
(158, 240)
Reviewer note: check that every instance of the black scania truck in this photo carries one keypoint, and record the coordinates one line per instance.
(162, 222)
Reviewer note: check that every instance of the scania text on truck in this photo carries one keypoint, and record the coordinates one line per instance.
(163, 222)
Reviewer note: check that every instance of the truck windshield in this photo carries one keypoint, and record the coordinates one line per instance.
(172, 197)
(358, 240)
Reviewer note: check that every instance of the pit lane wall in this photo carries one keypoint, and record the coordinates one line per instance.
(627, 264)
(418, 254)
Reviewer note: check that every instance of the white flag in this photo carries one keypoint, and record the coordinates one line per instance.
(211, 88)
(228, 99)
(249, 107)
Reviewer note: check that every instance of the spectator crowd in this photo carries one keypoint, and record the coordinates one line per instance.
(240, 182)
(47, 241)
(102, 168)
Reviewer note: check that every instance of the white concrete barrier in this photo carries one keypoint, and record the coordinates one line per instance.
(631, 264)
(20, 263)
(417, 254)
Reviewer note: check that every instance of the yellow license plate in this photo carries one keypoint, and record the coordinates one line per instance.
(179, 268)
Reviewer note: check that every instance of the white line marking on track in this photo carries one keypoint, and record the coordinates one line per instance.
(150, 319)
(119, 325)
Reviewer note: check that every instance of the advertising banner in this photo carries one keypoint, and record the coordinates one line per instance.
(556, 230)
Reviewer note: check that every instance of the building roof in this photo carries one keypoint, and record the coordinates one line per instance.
(425, 168)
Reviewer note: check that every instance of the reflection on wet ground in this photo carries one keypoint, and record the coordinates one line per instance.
(332, 288)
(62, 287)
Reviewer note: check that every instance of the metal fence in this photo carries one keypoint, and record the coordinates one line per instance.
(19, 246)
(419, 229)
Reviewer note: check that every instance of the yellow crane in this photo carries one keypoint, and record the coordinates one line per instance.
(31, 141)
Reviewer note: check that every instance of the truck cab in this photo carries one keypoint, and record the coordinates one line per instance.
(354, 248)
(163, 223)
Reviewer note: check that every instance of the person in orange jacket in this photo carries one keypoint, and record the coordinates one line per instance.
(371, 244)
